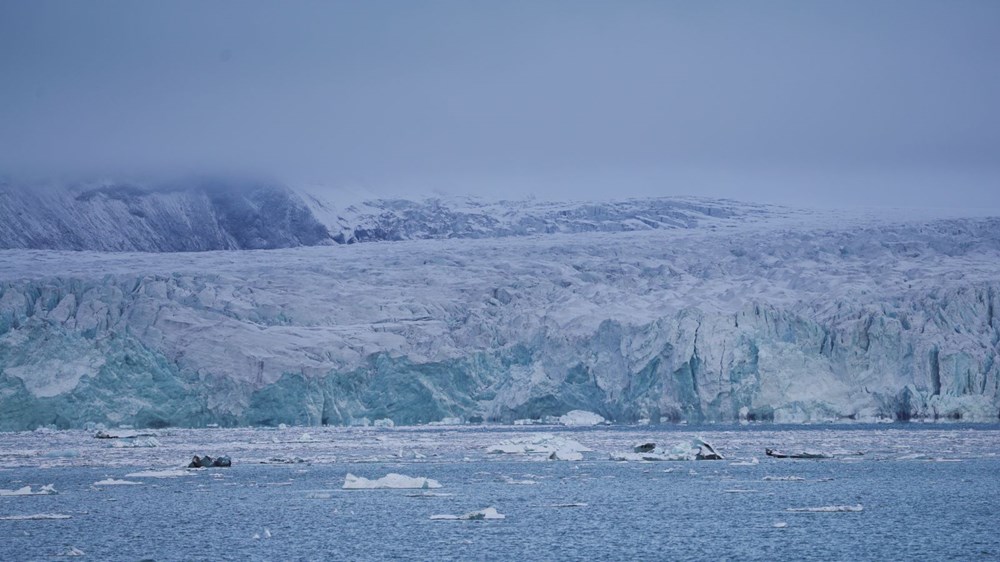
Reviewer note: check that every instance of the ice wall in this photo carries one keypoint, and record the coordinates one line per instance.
(776, 323)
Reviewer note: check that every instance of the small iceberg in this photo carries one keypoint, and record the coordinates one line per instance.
(580, 418)
(752, 462)
(550, 446)
(71, 551)
(46, 490)
(827, 509)
(136, 443)
(693, 450)
(113, 482)
(389, 481)
(481, 515)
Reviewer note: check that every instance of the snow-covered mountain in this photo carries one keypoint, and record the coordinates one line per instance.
(213, 214)
(649, 309)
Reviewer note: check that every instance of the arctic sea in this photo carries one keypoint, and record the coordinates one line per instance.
(893, 492)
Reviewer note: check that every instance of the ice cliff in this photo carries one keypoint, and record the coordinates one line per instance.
(751, 313)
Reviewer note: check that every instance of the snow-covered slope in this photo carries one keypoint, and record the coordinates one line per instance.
(175, 217)
(759, 314)
(231, 214)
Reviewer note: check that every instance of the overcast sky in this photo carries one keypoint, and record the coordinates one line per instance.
(823, 103)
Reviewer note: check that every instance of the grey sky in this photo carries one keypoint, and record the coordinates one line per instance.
(853, 103)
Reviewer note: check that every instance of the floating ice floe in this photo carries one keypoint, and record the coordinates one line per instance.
(779, 525)
(827, 509)
(114, 482)
(169, 473)
(283, 460)
(46, 490)
(384, 422)
(391, 480)
(581, 418)
(550, 446)
(525, 482)
(128, 434)
(34, 517)
(482, 514)
(71, 551)
(137, 443)
(693, 450)
(61, 453)
(752, 462)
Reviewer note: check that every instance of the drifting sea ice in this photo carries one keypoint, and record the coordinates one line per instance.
(35, 517)
(553, 447)
(170, 473)
(391, 480)
(46, 490)
(114, 482)
(827, 509)
(482, 514)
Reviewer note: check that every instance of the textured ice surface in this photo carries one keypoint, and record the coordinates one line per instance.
(580, 418)
(749, 313)
(544, 445)
(27, 491)
(391, 481)
(480, 515)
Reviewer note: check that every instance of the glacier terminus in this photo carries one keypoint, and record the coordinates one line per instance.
(220, 304)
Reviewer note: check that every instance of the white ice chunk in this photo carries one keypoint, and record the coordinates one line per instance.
(136, 443)
(46, 490)
(391, 480)
(114, 482)
(581, 418)
(34, 517)
(482, 514)
(545, 444)
(695, 449)
(827, 509)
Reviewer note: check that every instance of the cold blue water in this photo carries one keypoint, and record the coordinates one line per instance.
(915, 494)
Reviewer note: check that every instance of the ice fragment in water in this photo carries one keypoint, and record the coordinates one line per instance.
(482, 514)
(827, 509)
(391, 480)
(46, 490)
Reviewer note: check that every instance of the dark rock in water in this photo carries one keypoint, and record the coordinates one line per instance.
(644, 447)
(208, 462)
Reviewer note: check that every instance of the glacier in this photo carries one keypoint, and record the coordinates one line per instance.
(729, 313)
